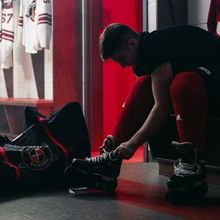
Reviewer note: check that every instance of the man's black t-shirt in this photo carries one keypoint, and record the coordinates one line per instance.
(184, 47)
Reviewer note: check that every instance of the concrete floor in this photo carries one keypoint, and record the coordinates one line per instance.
(139, 195)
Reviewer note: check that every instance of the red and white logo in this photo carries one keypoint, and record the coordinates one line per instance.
(36, 157)
(31, 10)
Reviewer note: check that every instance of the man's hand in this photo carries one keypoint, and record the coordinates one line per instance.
(125, 151)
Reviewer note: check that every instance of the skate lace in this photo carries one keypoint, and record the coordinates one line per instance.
(98, 159)
(185, 169)
(108, 145)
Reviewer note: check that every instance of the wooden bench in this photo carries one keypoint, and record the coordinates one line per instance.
(12, 120)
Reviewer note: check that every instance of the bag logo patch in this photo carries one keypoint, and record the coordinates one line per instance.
(36, 157)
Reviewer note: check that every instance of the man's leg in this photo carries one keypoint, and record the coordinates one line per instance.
(189, 100)
(135, 110)
(133, 114)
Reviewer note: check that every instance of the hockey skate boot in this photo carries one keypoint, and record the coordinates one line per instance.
(188, 180)
(104, 164)
(108, 145)
(103, 169)
(80, 181)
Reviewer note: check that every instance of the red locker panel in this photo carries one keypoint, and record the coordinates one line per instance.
(116, 80)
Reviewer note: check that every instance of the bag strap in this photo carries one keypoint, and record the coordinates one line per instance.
(52, 138)
(6, 160)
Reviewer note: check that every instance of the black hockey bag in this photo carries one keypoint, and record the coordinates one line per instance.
(39, 155)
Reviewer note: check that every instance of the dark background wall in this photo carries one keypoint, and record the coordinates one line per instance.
(171, 12)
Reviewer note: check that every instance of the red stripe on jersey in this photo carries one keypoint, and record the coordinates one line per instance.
(7, 31)
(49, 23)
(8, 35)
(20, 21)
(8, 39)
(45, 14)
(44, 18)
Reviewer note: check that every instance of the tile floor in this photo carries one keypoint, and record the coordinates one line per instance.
(139, 195)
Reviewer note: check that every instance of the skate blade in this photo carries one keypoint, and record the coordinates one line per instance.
(82, 191)
(74, 191)
(89, 191)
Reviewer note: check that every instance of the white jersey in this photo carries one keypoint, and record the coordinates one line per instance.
(35, 24)
(7, 33)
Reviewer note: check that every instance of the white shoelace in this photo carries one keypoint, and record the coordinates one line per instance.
(98, 159)
(102, 158)
(185, 169)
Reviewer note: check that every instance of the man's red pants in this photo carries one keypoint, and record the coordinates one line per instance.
(189, 102)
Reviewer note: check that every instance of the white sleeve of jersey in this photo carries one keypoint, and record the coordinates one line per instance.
(20, 24)
(0, 32)
(7, 34)
(29, 36)
(44, 23)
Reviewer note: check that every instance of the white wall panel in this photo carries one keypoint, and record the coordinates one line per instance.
(198, 11)
(152, 15)
(24, 81)
(3, 91)
(48, 73)
(203, 26)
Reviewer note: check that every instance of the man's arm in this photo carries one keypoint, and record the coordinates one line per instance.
(160, 79)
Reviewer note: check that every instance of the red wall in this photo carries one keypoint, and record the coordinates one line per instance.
(108, 84)
(67, 68)
(116, 80)
(94, 90)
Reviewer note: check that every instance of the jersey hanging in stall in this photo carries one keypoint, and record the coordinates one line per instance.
(7, 33)
(34, 28)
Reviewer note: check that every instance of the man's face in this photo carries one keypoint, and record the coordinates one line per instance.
(126, 56)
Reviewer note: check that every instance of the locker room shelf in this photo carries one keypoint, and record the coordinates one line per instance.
(12, 113)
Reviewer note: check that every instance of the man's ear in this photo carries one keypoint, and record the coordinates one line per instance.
(132, 42)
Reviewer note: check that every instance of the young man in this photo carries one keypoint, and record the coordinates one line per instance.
(179, 70)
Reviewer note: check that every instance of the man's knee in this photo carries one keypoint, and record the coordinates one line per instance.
(187, 85)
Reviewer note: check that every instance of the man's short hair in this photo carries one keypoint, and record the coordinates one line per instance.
(113, 38)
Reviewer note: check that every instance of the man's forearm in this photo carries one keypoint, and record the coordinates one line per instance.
(157, 117)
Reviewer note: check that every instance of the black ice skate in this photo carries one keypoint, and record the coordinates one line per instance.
(104, 164)
(188, 180)
(101, 171)
(80, 181)
(108, 146)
